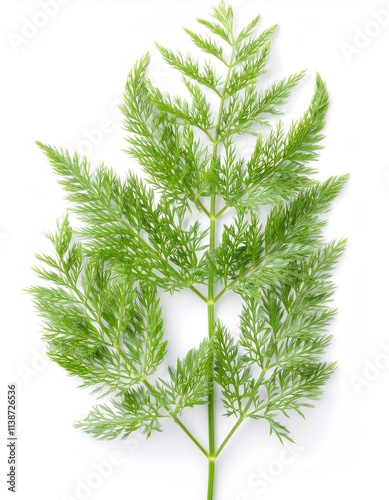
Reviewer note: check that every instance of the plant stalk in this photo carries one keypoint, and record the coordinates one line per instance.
(211, 329)
(211, 478)
(211, 287)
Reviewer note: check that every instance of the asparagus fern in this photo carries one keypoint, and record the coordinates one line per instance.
(100, 303)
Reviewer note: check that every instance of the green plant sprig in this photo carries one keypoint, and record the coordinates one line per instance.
(100, 305)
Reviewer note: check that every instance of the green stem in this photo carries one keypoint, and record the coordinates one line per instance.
(178, 421)
(197, 292)
(211, 287)
(211, 329)
(211, 477)
(190, 435)
(230, 434)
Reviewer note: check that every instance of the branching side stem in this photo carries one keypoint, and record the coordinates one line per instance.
(148, 386)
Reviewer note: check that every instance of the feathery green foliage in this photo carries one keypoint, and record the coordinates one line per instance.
(100, 299)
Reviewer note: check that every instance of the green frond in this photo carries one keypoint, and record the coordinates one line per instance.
(255, 46)
(206, 44)
(198, 113)
(216, 29)
(138, 236)
(144, 338)
(188, 384)
(137, 410)
(291, 389)
(244, 112)
(247, 30)
(249, 71)
(231, 373)
(241, 246)
(227, 176)
(189, 66)
(297, 222)
(224, 14)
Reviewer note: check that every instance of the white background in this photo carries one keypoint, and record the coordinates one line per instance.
(63, 80)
